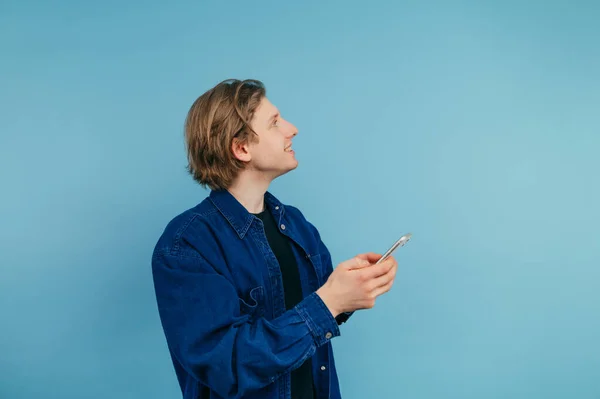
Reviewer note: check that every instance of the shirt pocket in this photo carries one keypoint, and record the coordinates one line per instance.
(253, 304)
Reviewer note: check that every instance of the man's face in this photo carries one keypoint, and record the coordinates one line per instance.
(272, 154)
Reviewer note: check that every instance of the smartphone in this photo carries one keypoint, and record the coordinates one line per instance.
(401, 241)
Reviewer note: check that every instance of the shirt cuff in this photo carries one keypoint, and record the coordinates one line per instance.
(321, 323)
(343, 317)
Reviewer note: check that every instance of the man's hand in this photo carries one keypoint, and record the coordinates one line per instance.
(356, 283)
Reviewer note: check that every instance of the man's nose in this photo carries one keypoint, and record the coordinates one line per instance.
(293, 130)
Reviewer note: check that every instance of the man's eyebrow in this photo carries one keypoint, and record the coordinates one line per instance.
(275, 115)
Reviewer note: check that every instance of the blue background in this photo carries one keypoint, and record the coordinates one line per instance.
(473, 125)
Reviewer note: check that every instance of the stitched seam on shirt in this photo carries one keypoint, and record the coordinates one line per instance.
(330, 316)
(178, 255)
(301, 314)
(314, 329)
(207, 212)
(226, 216)
(184, 227)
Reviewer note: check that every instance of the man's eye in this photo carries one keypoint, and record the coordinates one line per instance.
(276, 122)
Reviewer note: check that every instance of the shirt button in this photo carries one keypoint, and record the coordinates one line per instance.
(283, 227)
(276, 207)
(323, 368)
(328, 335)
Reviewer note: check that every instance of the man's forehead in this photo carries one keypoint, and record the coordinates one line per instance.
(266, 109)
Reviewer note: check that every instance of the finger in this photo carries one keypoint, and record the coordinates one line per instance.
(383, 289)
(380, 269)
(383, 280)
(356, 263)
(371, 257)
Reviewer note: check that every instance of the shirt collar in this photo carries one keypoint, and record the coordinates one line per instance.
(236, 214)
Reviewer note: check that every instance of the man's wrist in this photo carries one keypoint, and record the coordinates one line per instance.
(328, 300)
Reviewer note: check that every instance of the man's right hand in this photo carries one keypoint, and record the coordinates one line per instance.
(356, 283)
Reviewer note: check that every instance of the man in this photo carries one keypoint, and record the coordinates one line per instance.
(247, 294)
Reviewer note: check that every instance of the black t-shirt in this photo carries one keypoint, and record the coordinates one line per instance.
(302, 379)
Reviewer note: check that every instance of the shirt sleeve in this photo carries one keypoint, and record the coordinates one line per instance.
(230, 351)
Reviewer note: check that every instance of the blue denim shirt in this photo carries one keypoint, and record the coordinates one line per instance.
(221, 302)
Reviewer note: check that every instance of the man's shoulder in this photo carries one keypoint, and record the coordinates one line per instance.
(173, 237)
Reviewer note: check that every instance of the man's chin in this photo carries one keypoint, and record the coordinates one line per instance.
(295, 165)
(288, 169)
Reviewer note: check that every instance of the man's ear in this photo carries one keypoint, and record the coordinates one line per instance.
(241, 150)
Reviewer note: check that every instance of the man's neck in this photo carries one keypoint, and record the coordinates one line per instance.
(249, 190)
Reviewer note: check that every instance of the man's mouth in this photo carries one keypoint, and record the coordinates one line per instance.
(288, 148)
